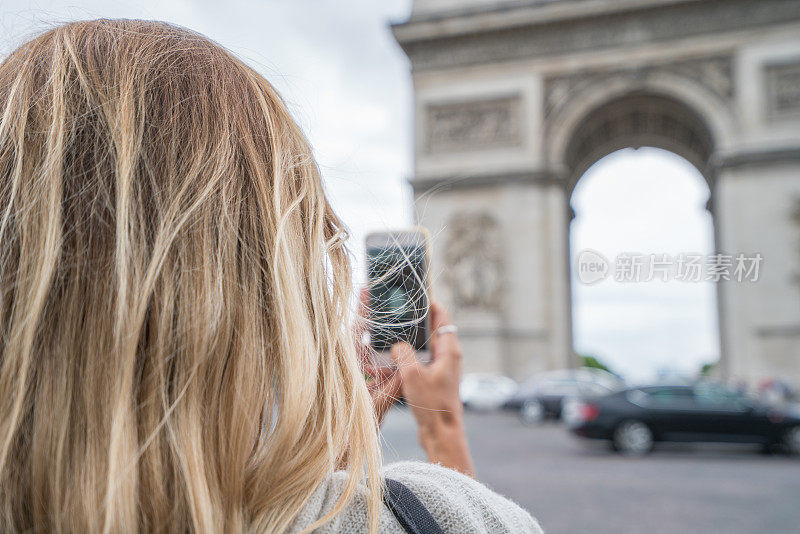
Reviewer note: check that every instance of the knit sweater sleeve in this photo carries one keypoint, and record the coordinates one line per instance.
(460, 503)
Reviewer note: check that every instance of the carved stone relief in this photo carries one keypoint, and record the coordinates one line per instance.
(474, 125)
(636, 119)
(712, 73)
(783, 89)
(473, 261)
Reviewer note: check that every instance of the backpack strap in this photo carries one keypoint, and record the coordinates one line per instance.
(408, 510)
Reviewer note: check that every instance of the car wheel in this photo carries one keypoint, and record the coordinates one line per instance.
(532, 412)
(633, 438)
(791, 439)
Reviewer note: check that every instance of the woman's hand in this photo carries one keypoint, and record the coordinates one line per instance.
(431, 392)
(384, 387)
(383, 383)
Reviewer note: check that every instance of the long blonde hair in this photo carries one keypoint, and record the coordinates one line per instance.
(175, 294)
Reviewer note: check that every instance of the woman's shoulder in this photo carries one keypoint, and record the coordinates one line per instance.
(460, 503)
(457, 502)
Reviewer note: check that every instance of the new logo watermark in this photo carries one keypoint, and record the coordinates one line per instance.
(593, 267)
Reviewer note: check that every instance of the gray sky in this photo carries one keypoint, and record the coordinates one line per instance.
(645, 201)
(348, 85)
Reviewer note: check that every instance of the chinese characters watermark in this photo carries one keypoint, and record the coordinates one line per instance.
(592, 267)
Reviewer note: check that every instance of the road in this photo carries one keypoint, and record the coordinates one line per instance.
(573, 486)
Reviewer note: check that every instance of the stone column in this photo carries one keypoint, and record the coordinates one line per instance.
(758, 212)
(500, 264)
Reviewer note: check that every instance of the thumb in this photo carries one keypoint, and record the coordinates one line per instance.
(403, 356)
(385, 395)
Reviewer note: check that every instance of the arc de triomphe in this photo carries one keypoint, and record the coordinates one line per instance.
(514, 100)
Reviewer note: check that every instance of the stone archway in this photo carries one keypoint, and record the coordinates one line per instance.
(514, 100)
(633, 120)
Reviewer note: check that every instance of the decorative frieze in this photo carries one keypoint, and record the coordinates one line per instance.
(782, 89)
(480, 40)
(473, 125)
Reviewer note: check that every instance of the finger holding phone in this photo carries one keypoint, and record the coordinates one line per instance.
(431, 392)
(424, 350)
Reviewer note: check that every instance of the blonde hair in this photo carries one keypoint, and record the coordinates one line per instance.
(175, 294)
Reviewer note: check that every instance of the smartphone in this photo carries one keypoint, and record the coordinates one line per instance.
(398, 291)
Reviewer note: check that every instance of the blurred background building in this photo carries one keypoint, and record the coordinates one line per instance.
(515, 100)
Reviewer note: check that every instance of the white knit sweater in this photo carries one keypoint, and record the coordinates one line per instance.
(457, 502)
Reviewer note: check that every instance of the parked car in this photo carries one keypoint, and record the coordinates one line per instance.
(634, 419)
(485, 391)
(546, 395)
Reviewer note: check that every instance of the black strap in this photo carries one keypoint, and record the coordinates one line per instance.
(409, 511)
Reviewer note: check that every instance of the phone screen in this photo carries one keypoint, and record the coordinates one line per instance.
(398, 300)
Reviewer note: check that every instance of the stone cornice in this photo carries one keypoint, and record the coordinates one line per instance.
(452, 182)
(756, 157)
(451, 42)
(515, 334)
(512, 13)
(468, 181)
(779, 331)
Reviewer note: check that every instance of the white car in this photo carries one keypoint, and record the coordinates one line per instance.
(480, 391)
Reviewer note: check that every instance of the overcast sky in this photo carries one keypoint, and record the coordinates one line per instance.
(347, 83)
(644, 201)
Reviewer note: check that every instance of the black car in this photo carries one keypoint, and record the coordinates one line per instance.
(635, 418)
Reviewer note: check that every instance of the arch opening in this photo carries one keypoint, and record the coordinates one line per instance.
(642, 203)
(635, 120)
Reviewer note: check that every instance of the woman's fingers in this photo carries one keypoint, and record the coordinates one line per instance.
(384, 394)
(445, 346)
(439, 316)
(403, 355)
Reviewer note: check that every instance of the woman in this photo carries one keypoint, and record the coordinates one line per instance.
(174, 308)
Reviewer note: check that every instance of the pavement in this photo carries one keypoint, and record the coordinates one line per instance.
(577, 486)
